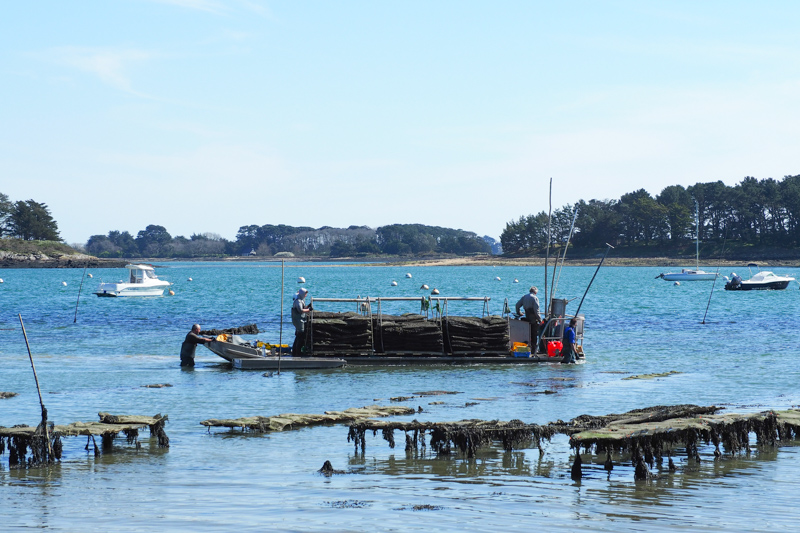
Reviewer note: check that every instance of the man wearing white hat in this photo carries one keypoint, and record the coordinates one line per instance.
(299, 311)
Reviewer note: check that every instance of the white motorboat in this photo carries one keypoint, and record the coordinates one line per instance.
(142, 281)
(687, 274)
(763, 280)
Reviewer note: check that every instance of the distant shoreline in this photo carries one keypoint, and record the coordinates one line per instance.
(12, 260)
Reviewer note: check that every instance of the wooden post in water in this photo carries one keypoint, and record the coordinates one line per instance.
(39, 390)
(280, 335)
(79, 292)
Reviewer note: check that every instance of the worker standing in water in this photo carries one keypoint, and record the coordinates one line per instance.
(299, 311)
(568, 351)
(193, 338)
(530, 302)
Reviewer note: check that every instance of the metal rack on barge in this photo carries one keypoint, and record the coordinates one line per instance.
(368, 336)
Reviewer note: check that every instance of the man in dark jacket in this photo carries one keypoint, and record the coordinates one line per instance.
(299, 311)
(193, 338)
(530, 302)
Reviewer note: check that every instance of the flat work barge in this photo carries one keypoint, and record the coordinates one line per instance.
(368, 336)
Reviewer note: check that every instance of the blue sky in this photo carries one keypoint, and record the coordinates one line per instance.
(207, 115)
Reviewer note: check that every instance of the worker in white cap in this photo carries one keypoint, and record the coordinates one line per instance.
(299, 311)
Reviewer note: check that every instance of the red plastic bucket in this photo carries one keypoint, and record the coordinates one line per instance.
(554, 348)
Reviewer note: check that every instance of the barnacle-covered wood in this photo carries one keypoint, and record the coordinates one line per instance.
(465, 435)
(261, 424)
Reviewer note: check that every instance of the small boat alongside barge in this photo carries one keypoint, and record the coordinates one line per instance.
(250, 356)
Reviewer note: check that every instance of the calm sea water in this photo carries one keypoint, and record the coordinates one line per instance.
(744, 357)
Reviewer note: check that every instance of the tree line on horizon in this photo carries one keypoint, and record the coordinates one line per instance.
(757, 212)
(27, 220)
(269, 240)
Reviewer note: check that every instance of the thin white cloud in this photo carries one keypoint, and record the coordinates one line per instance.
(109, 65)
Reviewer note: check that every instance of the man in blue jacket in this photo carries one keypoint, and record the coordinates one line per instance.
(568, 350)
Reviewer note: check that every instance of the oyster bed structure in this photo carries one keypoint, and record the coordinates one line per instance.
(646, 435)
(46, 447)
(288, 421)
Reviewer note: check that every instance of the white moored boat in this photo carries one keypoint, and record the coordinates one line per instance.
(141, 282)
(689, 275)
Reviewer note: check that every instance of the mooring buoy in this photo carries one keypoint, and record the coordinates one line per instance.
(394, 284)
(435, 291)
(190, 279)
(301, 279)
(425, 287)
(408, 275)
(90, 275)
(64, 283)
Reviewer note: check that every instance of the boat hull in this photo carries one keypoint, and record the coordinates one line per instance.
(250, 358)
(687, 276)
(133, 291)
(771, 286)
(287, 363)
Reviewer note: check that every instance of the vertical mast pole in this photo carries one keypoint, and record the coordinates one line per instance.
(547, 252)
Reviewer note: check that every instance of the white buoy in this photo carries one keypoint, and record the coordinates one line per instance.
(425, 287)
(516, 280)
(394, 284)
(64, 283)
(301, 279)
(190, 279)
(435, 291)
(1, 280)
(171, 292)
(90, 275)
(497, 278)
(677, 283)
(408, 275)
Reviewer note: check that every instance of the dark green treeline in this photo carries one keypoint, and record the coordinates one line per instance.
(758, 212)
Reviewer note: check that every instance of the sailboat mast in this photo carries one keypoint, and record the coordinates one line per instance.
(697, 235)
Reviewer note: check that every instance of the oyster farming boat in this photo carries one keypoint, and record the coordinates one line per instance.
(142, 281)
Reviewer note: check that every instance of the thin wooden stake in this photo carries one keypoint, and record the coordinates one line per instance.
(39, 390)
(280, 336)
(75, 320)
